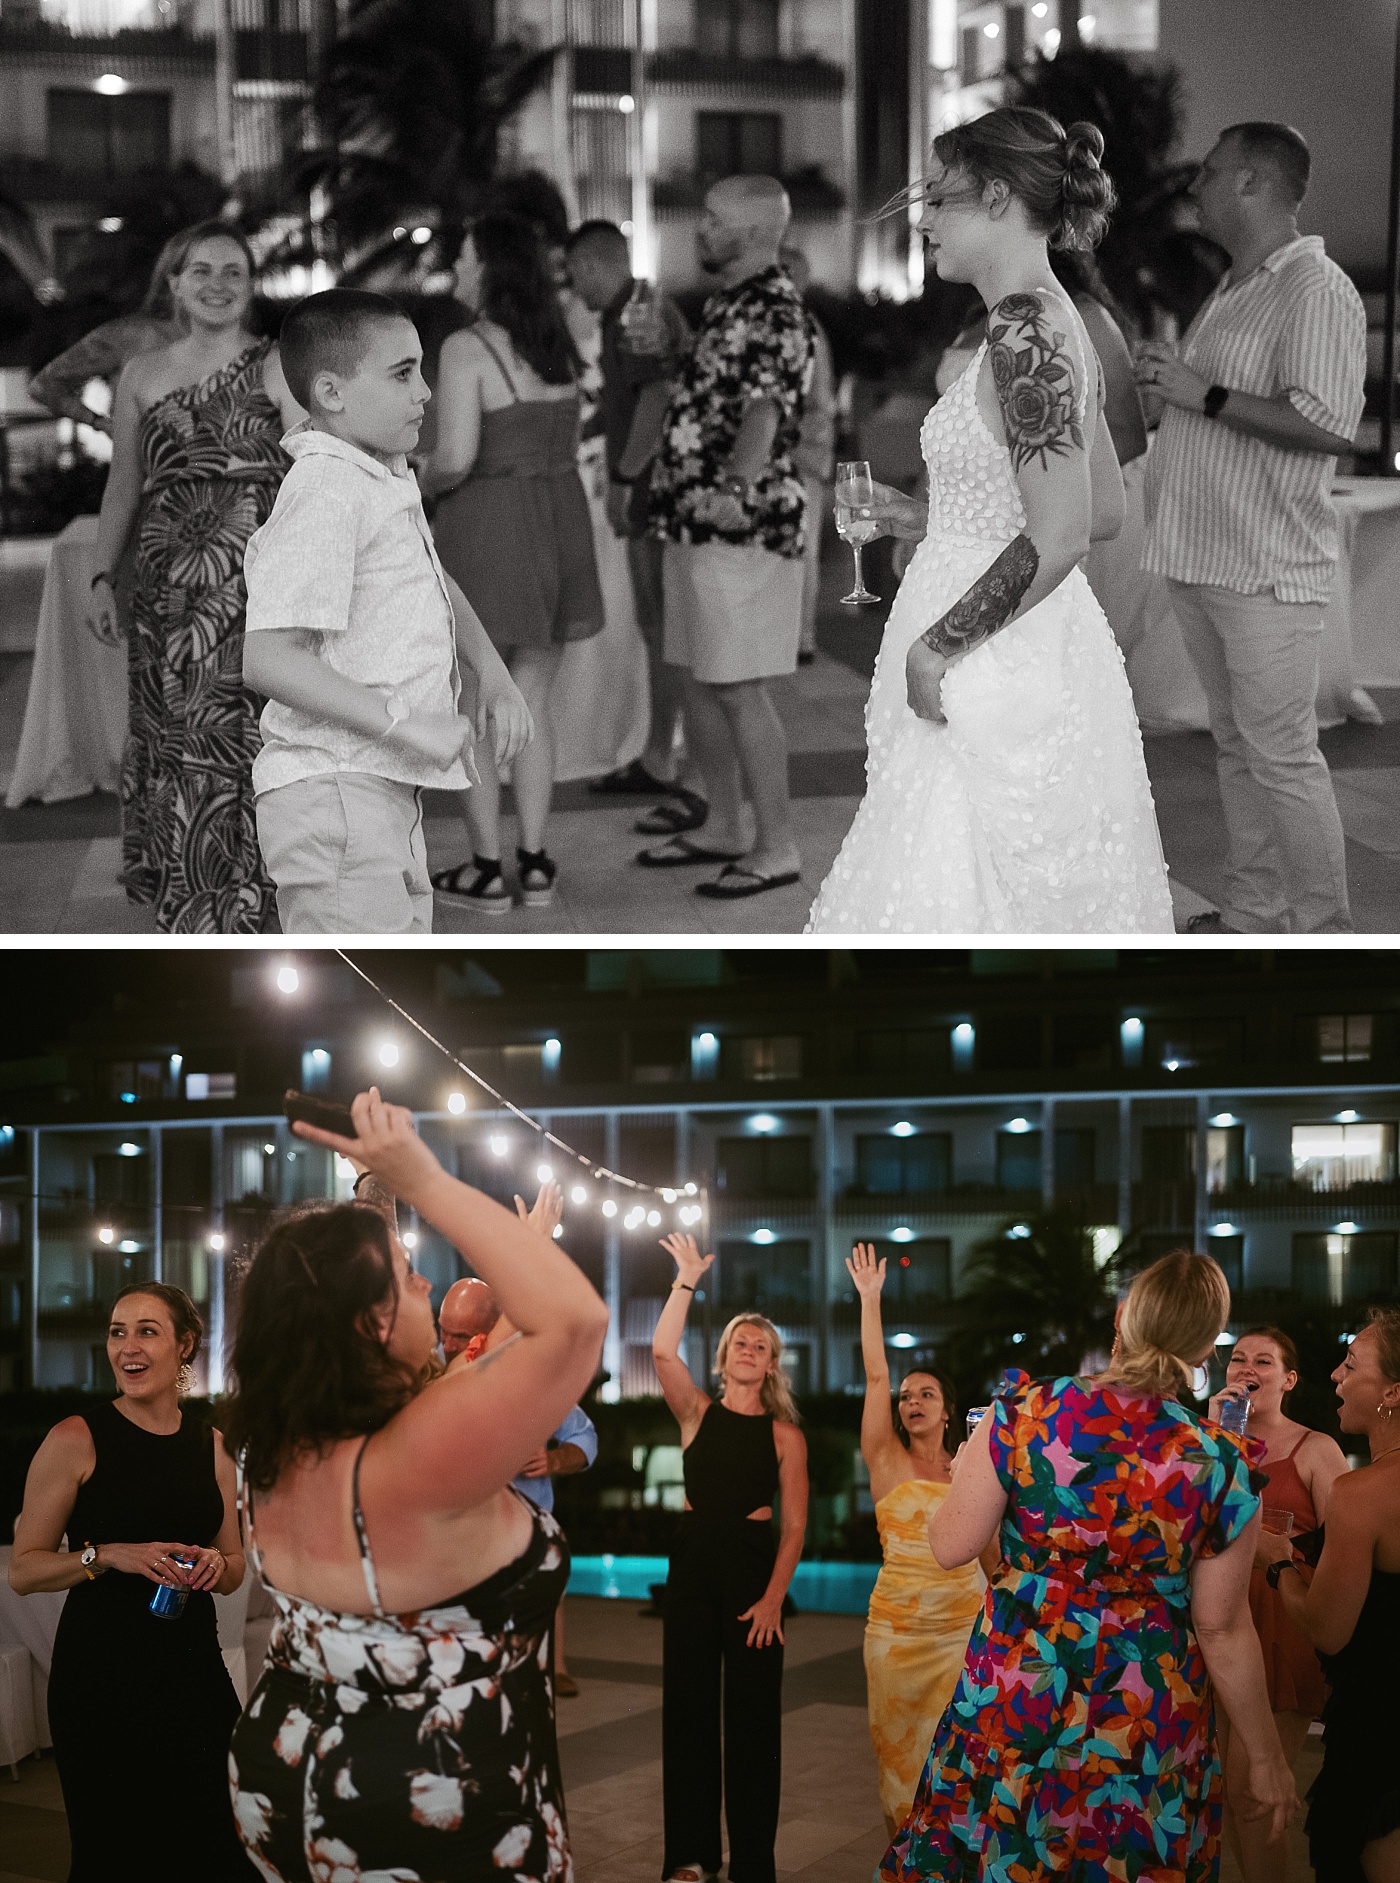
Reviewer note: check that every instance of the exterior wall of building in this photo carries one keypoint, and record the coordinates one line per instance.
(1326, 70)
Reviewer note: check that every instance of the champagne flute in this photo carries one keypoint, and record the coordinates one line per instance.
(855, 492)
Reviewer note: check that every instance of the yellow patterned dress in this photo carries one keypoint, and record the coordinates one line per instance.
(915, 1640)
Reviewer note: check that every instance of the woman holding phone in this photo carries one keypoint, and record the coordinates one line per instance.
(403, 1717)
(920, 1613)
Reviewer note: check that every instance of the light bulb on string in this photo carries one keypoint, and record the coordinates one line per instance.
(609, 1207)
(578, 1194)
(545, 1173)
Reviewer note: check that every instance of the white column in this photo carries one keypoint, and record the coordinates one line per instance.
(1202, 1194)
(1125, 1164)
(1047, 1152)
(612, 1275)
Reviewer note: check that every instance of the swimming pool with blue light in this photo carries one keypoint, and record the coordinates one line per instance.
(821, 1588)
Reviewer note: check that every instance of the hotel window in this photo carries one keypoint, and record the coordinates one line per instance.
(1018, 1160)
(1184, 1045)
(1168, 1153)
(918, 1277)
(1340, 1268)
(737, 29)
(1330, 1157)
(917, 1166)
(1229, 1253)
(773, 1279)
(1343, 1038)
(757, 1168)
(739, 143)
(112, 136)
(923, 1053)
(1224, 1157)
(761, 1060)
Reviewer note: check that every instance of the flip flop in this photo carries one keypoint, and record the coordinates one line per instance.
(677, 852)
(734, 881)
(669, 820)
(632, 780)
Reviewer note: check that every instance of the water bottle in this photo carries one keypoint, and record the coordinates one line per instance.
(168, 1604)
(1234, 1414)
(642, 329)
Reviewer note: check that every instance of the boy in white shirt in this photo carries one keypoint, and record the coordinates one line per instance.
(354, 631)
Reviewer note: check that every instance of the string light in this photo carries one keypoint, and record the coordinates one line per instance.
(456, 1103)
(609, 1207)
(578, 1194)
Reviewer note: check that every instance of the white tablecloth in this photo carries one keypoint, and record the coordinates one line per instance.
(75, 717)
(1360, 643)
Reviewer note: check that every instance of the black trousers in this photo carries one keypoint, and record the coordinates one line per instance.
(718, 1569)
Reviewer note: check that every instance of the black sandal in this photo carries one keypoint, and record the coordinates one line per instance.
(486, 890)
(537, 873)
(688, 812)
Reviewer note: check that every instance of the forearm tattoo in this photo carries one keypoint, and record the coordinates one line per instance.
(1033, 373)
(989, 604)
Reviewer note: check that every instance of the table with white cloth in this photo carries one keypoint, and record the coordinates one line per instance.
(1360, 627)
(32, 1622)
(75, 716)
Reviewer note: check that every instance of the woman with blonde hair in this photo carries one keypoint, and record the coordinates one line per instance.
(724, 1596)
(1082, 1732)
(1351, 1614)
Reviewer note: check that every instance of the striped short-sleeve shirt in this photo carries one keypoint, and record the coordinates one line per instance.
(1229, 511)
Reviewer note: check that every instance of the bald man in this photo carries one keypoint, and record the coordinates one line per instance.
(468, 1313)
(729, 504)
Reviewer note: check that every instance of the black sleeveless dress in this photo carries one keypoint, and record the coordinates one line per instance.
(142, 1709)
(1356, 1796)
(720, 1566)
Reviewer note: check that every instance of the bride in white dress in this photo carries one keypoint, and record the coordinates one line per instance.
(1006, 791)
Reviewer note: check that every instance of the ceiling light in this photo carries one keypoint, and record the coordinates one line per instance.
(388, 1054)
(1224, 1118)
(1018, 1232)
(902, 1130)
(110, 85)
(902, 1234)
(288, 980)
(763, 1121)
(627, 104)
(763, 1236)
(106, 1235)
(992, 30)
(128, 1149)
(128, 1247)
(216, 1240)
(1348, 1117)
(269, 1150)
(1222, 1229)
(110, 225)
(1347, 1229)
(1018, 1125)
(902, 1340)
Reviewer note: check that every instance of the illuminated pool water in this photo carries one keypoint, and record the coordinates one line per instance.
(825, 1588)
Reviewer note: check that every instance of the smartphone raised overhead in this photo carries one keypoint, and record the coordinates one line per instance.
(324, 1113)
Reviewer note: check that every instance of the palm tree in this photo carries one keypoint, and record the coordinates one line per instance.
(1035, 1296)
(409, 108)
(1151, 258)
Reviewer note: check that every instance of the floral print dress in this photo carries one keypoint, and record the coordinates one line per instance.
(416, 1748)
(213, 463)
(1080, 1741)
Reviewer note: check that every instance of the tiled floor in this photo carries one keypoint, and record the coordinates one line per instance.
(829, 1829)
(58, 863)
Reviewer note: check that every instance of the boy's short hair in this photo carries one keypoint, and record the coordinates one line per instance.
(328, 333)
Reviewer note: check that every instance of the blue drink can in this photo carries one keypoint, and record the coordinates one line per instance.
(168, 1603)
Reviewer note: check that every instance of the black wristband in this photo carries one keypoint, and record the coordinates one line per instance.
(616, 477)
(1214, 402)
(682, 1284)
(1275, 1570)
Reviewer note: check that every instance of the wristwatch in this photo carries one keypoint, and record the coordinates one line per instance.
(1275, 1570)
(1214, 402)
(87, 1559)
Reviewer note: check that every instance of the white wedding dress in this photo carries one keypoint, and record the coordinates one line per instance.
(1030, 812)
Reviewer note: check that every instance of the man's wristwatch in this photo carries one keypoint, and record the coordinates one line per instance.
(88, 1559)
(1275, 1570)
(1214, 402)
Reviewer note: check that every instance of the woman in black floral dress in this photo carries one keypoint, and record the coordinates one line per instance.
(196, 463)
(403, 1725)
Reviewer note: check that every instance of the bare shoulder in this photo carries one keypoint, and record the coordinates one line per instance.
(1321, 1449)
(68, 1445)
(788, 1439)
(1037, 369)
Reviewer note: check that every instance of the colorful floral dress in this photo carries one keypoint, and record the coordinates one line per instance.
(1081, 1740)
(213, 462)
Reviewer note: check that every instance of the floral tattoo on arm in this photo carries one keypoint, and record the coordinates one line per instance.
(989, 604)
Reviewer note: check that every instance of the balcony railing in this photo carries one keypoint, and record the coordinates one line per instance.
(811, 191)
(805, 77)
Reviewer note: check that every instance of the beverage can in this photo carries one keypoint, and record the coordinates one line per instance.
(168, 1604)
(975, 1416)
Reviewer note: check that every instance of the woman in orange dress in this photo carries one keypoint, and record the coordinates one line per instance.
(920, 1615)
(1301, 1467)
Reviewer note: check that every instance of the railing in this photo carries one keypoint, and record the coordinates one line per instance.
(810, 191)
(805, 77)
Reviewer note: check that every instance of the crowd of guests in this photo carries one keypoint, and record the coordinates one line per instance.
(1102, 1627)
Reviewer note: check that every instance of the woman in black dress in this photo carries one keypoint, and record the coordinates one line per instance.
(403, 1724)
(1350, 1611)
(141, 1707)
(724, 1595)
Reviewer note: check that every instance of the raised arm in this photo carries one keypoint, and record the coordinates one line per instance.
(458, 415)
(878, 1444)
(683, 1396)
(469, 1432)
(1039, 384)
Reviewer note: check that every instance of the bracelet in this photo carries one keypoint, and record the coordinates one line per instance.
(682, 1284)
(616, 477)
(1214, 402)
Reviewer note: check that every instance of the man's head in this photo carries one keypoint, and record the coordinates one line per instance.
(468, 1313)
(743, 224)
(599, 263)
(796, 266)
(1256, 175)
(356, 363)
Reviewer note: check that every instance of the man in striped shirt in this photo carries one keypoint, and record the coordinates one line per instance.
(1266, 391)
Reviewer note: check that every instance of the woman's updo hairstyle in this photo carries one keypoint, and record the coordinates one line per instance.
(1384, 1323)
(1174, 1312)
(185, 1317)
(1057, 174)
(308, 1366)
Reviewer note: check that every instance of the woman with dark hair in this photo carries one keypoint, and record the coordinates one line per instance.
(920, 1613)
(1350, 1612)
(512, 523)
(1006, 789)
(1300, 1467)
(196, 463)
(140, 1704)
(1081, 1738)
(403, 1724)
(723, 1627)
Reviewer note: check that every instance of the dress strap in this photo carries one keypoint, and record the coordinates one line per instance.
(362, 1535)
(1307, 1434)
(505, 370)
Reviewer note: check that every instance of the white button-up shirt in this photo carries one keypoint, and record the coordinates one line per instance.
(347, 555)
(1229, 511)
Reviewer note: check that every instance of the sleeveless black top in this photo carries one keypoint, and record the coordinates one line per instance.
(1356, 1797)
(731, 1465)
